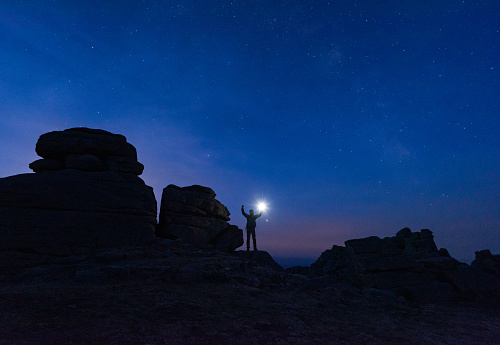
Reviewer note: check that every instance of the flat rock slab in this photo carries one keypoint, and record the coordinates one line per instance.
(59, 144)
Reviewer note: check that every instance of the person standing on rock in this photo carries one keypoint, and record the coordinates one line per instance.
(251, 224)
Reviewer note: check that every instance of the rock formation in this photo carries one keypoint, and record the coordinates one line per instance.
(195, 216)
(85, 195)
(86, 149)
(487, 262)
(410, 265)
(86, 198)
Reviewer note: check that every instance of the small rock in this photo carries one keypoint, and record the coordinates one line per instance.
(42, 165)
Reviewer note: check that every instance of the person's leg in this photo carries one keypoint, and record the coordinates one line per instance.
(248, 239)
(254, 240)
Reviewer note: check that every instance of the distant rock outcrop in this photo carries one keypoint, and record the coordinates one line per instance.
(487, 262)
(195, 216)
(85, 196)
(410, 265)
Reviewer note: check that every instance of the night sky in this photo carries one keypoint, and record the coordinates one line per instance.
(351, 118)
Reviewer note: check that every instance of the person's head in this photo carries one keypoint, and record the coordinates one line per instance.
(251, 212)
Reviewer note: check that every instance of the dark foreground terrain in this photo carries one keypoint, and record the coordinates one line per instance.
(173, 295)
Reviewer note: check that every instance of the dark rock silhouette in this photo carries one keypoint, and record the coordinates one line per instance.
(487, 262)
(195, 216)
(260, 258)
(333, 262)
(85, 197)
(410, 265)
(86, 149)
(87, 207)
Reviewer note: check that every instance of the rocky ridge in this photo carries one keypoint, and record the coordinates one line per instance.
(409, 265)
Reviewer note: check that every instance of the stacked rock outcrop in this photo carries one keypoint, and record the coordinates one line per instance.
(194, 215)
(487, 262)
(86, 195)
(409, 264)
(86, 149)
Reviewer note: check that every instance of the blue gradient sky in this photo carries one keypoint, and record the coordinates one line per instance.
(352, 118)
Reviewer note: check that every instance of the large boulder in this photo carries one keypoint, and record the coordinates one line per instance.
(194, 215)
(417, 244)
(77, 204)
(374, 254)
(86, 149)
(82, 140)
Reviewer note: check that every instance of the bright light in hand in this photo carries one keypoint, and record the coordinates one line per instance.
(261, 206)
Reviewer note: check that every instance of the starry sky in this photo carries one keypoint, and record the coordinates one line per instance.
(351, 118)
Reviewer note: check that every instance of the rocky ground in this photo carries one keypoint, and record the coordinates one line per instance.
(170, 294)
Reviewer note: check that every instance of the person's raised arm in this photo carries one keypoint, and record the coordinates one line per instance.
(243, 211)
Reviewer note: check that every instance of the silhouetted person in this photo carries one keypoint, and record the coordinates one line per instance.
(251, 224)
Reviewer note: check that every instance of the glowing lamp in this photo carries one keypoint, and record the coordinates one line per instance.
(261, 206)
